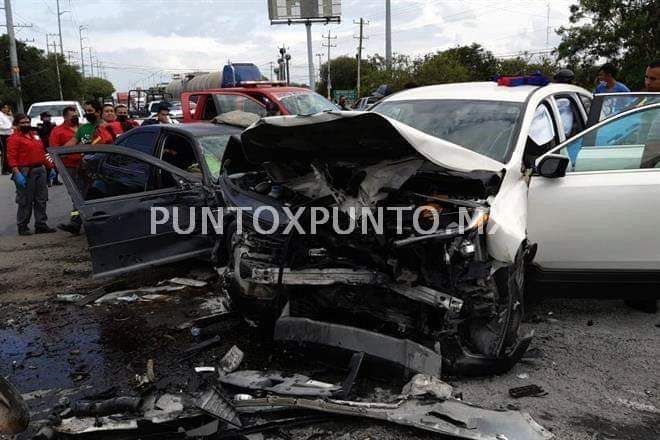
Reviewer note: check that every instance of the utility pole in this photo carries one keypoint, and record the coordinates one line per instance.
(310, 55)
(547, 30)
(59, 26)
(271, 70)
(13, 57)
(329, 45)
(82, 54)
(47, 46)
(91, 63)
(57, 67)
(361, 38)
(388, 34)
(287, 59)
(320, 55)
(68, 55)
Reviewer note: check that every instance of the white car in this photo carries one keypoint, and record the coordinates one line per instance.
(582, 200)
(55, 108)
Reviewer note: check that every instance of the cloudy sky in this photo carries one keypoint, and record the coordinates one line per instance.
(141, 42)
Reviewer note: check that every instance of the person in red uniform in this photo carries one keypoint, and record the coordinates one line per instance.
(107, 132)
(62, 134)
(31, 170)
(121, 110)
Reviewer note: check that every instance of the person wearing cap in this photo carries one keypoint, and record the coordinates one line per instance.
(31, 171)
(6, 130)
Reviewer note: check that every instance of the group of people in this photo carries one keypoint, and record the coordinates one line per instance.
(32, 170)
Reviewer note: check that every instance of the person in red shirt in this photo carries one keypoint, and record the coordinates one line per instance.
(61, 134)
(107, 132)
(31, 171)
(121, 111)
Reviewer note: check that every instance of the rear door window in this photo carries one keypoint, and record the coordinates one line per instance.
(143, 141)
(571, 117)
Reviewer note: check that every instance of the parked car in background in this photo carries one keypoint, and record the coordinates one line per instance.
(261, 98)
(55, 108)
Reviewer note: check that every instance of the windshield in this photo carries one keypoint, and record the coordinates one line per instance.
(304, 103)
(54, 110)
(213, 147)
(485, 127)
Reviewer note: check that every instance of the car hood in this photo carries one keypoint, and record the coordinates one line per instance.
(355, 136)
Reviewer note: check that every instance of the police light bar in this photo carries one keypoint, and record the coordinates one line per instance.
(529, 80)
(260, 83)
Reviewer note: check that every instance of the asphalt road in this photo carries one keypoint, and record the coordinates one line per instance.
(59, 206)
(598, 360)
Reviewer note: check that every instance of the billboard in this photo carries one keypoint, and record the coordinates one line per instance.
(284, 10)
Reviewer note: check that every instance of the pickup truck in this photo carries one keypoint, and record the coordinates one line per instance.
(264, 99)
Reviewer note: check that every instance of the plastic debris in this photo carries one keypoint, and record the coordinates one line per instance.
(231, 361)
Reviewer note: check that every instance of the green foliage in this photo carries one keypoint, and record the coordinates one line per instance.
(96, 88)
(626, 32)
(39, 77)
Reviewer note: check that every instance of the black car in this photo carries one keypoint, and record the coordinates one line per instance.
(163, 166)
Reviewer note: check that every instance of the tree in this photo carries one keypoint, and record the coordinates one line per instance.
(626, 32)
(97, 88)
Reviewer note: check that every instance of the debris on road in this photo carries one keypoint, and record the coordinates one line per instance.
(14, 412)
(231, 361)
(422, 385)
(527, 391)
(188, 282)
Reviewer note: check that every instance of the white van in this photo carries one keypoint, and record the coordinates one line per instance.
(55, 108)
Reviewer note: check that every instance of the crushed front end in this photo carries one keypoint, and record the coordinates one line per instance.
(399, 271)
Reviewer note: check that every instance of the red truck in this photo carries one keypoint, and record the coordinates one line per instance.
(262, 98)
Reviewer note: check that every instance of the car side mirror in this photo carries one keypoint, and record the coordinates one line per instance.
(552, 166)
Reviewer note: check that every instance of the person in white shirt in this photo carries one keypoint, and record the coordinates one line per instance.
(6, 129)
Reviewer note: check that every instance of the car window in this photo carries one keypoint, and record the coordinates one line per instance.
(213, 147)
(229, 103)
(178, 151)
(486, 127)
(586, 102)
(542, 135)
(54, 110)
(571, 117)
(144, 141)
(305, 103)
(628, 142)
(615, 104)
(111, 174)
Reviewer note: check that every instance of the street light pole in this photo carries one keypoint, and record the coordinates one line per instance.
(59, 27)
(13, 57)
(388, 34)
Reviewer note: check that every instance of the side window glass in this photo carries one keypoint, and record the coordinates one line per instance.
(586, 102)
(613, 105)
(178, 151)
(143, 141)
(630, 142)
(250, 106)
(120, 175)
(570, 117)
(542, 136)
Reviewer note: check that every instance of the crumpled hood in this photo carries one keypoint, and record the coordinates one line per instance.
(355, 136)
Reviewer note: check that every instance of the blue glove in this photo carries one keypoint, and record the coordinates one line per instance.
(52, 175)
(19, 178)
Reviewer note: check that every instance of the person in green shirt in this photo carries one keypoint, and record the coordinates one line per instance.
(84, 135)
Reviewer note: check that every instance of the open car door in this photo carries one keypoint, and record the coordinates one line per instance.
(607, 105)
(136, 209)
(598, 220)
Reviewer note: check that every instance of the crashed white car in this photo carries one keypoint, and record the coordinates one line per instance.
(511, 175)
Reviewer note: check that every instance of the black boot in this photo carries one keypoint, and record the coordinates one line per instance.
(71, 228)
(24, 231)
(44, 230)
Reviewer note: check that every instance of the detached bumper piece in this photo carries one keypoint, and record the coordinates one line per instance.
(450, 417)
(408, 354)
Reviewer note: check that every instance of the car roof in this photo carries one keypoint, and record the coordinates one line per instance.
(266, 89)
(487, 91)
(199, 129)
(54, 103)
